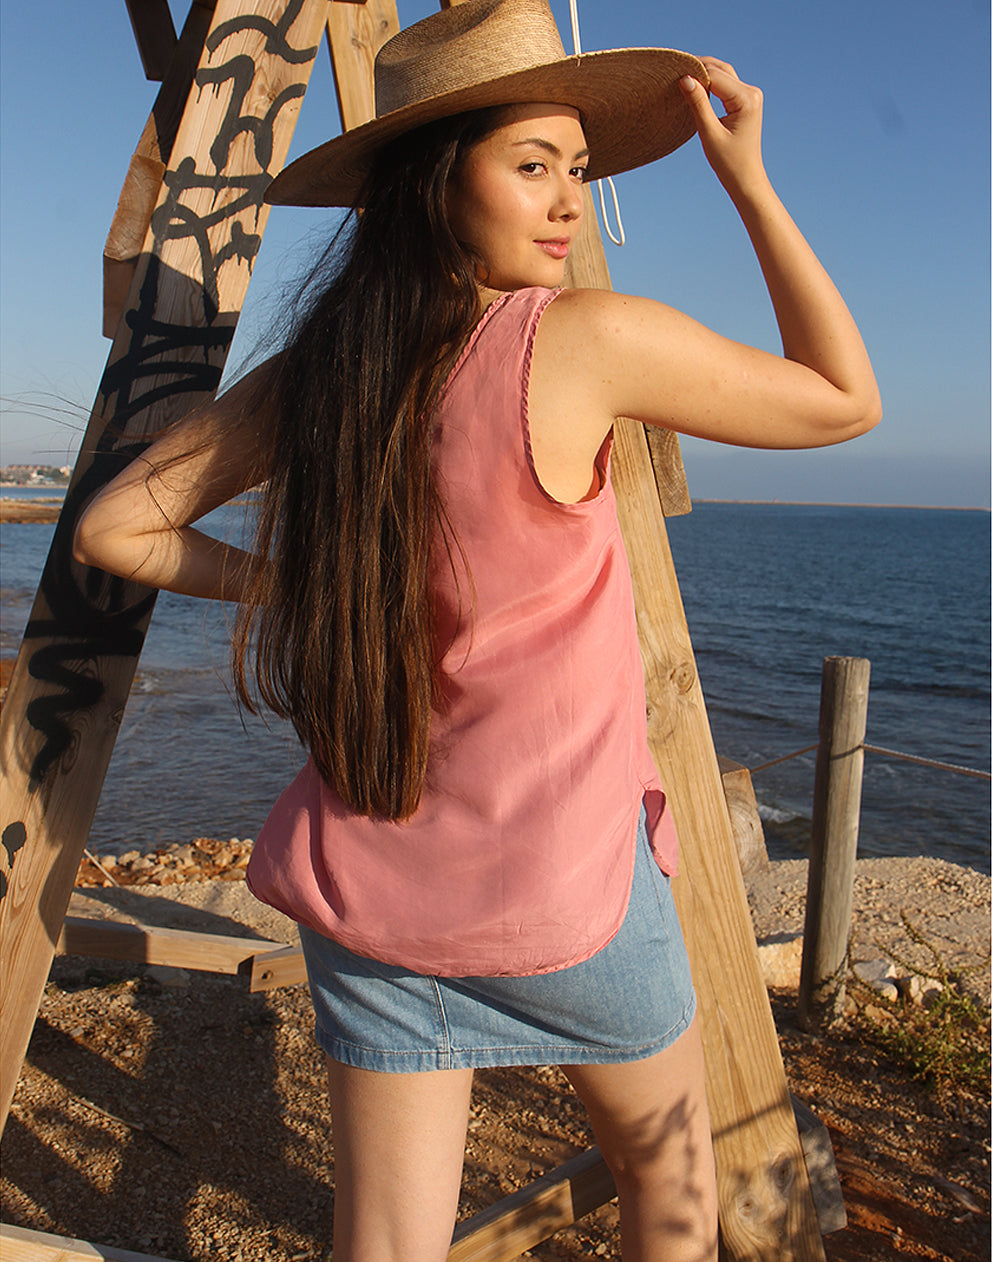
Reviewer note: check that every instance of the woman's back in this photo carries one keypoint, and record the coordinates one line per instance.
(522, 844)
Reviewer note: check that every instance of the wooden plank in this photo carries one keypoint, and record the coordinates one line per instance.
(355, 33)
(749, 835)
(517, 1222)
(534, 1213)
(283, 966)
(821, 1168)
(765, 1204)
(143, 182)
(154, 34)
(669, 472)
(17, 1244)
(147, 944)
(73, 673)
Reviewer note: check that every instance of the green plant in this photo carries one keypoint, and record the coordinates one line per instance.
(944, 1042)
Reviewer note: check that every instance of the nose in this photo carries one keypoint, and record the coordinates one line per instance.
(568, 202)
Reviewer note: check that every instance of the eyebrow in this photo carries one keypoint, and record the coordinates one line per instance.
(547, 146)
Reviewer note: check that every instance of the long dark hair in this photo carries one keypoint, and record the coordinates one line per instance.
(339, 621)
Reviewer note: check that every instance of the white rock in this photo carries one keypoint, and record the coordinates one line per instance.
(879, 975)
(916, 987)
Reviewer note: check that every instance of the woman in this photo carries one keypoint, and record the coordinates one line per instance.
(478, 849)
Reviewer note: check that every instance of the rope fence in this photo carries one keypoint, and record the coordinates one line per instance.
(887, 753)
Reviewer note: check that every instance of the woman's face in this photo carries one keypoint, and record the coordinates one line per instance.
(516, 197)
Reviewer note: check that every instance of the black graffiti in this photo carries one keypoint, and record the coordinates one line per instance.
(159, 349)
(13, 838)
(94, 615)
(240, 72)
(276, 44)
(174, 221)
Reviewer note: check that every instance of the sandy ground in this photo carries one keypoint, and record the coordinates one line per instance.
(179, 1115)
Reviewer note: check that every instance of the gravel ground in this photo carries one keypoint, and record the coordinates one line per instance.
(181, 1116)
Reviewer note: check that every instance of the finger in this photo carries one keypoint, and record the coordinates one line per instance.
(716, 64)
(699, 103)
(695, 94)
(736, 95)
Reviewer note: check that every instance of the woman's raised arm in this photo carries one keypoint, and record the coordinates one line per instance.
(140, 525)
(642, 359)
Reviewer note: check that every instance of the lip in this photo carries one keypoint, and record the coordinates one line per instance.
(557, 247)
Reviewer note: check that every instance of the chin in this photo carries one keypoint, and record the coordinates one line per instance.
(538, 277)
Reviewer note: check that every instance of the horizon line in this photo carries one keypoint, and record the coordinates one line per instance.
(939, 508)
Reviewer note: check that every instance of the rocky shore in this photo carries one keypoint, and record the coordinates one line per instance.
(913, 915)
(40, 510)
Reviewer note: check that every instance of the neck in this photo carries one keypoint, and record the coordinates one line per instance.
(488, 296)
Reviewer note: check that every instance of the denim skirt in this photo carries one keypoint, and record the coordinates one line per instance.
(630, 1000)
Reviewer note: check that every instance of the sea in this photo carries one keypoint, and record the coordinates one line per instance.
(770, 590)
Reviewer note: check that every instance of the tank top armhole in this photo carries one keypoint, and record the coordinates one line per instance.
(602, 461)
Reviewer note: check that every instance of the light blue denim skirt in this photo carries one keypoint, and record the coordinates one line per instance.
(631, 999)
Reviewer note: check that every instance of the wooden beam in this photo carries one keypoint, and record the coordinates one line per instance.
(81, 645)
(143, 183)
(283, 966)
(154, 34)
(176, 948)
(354, 36)
(17, 1244)
(745, 821)
(765, 1204)
(517, 1222)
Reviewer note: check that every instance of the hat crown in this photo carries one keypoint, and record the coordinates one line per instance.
(463, 46)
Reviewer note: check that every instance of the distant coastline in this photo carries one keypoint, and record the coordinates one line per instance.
(697, 499)
(932, 508)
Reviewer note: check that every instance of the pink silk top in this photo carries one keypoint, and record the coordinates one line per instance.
(520, 856)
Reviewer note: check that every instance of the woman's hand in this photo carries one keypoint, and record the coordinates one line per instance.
(732, 144)
(611, 356)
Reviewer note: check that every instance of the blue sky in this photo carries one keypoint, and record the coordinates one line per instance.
(876, 136)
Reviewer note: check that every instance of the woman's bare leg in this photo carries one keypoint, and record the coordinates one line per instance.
(399, 1145)
(652, 1125)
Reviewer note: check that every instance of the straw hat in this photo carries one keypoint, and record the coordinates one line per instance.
(503, 52)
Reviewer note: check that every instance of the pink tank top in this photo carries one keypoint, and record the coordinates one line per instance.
(520, 856)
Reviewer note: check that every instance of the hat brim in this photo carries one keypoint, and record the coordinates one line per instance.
(632, 109)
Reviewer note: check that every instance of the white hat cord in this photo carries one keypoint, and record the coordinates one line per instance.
(573, 9)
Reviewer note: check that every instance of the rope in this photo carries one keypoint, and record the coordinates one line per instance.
(929, 762)
(785, 758)
(573, 10)
(889, 753)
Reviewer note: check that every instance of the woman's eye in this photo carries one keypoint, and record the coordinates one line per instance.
(532, 168)
(579, 173)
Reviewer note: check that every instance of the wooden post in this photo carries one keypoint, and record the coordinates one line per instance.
(834, 843)
(72, 676)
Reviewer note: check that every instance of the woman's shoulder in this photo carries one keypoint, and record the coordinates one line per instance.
(601, 313)
(586, 325)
